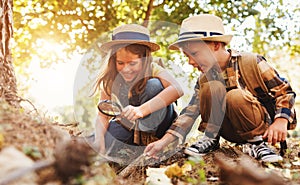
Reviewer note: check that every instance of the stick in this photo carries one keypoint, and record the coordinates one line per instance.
(142, 160)
(137, 162)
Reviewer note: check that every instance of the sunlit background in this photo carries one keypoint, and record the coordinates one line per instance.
(51, 39)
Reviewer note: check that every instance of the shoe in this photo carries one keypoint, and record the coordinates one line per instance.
(203, 146)
(261, 152)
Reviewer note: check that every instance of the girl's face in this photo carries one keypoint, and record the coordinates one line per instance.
(129, 65)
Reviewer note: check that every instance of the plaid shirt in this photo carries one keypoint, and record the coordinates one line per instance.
(279, 88)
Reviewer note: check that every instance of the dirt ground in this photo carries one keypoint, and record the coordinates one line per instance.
(37, 138)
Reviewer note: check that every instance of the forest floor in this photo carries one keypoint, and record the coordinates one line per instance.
(37, 139)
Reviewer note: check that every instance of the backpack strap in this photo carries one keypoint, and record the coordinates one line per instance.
(251, 74)
(159, 61)
(252, 77)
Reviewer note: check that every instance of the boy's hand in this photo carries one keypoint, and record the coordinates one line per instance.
(154, 148)
(277, 131)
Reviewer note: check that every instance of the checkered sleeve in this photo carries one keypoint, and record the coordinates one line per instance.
(280, 89)
(183, 124)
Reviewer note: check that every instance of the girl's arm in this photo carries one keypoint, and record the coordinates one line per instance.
(101, 125)
(172, 91)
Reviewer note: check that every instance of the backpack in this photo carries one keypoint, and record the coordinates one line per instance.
(252, 77)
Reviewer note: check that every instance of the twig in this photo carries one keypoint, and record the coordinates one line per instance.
(73, 124)
(143, 160)
(20, 99)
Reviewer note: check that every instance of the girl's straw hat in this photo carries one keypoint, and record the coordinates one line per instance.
(201, 27)
(130, 34)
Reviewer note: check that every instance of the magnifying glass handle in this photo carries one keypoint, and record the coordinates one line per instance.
(136, 136)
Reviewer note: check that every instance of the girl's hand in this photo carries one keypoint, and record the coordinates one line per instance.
(132, 113)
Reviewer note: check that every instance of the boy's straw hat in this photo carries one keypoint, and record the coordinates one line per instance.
(130, 34)
(204, 27)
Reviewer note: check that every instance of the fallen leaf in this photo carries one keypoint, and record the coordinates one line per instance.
(157, 176)
(176, 171)
(1, 141)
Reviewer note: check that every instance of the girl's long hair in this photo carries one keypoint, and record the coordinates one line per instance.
(106, 78)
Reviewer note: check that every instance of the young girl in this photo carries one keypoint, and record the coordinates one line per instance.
(141, 86)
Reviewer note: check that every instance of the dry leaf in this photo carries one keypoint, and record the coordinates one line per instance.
(157, 176)
(176, 171)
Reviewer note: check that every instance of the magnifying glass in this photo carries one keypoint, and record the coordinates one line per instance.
(109, 108)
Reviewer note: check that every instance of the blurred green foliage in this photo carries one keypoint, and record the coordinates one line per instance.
(77, 26)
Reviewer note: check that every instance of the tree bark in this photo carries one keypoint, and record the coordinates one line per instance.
(148, 13)
(8, 85)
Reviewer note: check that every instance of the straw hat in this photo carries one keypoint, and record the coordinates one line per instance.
(204, 27)
(130, 34)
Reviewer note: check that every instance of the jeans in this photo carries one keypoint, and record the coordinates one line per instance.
(157, 122)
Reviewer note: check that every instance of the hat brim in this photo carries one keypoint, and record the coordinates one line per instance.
(224, 38)
(108, 45)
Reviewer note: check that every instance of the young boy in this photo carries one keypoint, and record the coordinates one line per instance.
(223, 100)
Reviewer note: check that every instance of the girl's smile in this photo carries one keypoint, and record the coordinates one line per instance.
(128, 64)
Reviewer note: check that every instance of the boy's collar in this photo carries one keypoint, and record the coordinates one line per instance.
(233, 53)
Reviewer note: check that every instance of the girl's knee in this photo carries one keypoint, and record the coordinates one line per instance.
(153, 87)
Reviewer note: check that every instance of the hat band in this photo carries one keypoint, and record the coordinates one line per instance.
(198, 34)
(130, 36)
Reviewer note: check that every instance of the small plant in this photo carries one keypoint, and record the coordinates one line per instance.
(32, 151)
(197, 164)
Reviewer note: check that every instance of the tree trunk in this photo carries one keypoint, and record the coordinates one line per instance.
(8, 86)
(148, 13)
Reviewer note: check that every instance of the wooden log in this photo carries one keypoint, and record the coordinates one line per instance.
(245, 172)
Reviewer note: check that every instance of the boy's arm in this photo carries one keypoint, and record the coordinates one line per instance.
(284, 102)
(182, 125)
(280, 90)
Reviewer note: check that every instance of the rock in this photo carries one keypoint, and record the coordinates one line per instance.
(11, 160)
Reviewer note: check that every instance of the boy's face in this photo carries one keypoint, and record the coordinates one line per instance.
(200, 54)
(128, 64)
